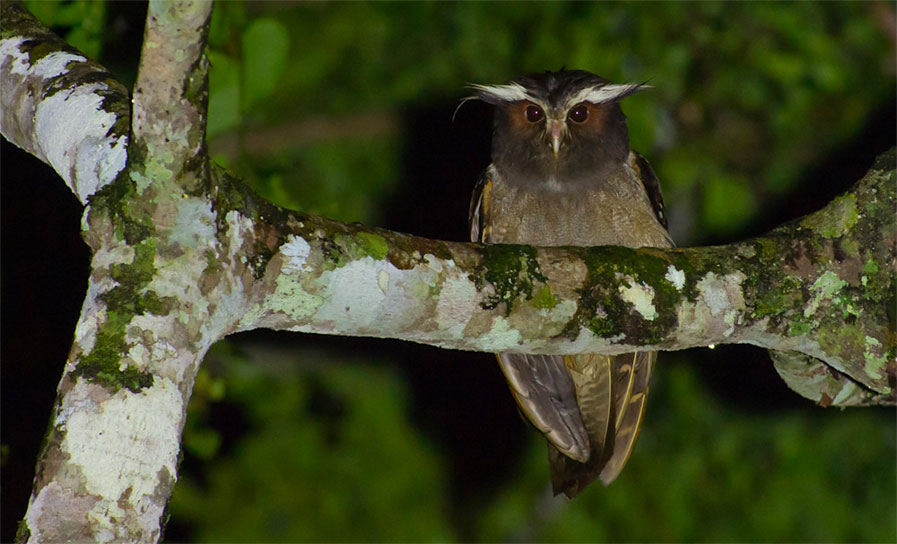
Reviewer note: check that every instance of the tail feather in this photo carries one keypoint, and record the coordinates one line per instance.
(547, 396)
(630, 410)
(623, 381)
(593, 378)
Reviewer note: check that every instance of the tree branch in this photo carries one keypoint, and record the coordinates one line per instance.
(821, 286)
(171, 91)
(110, 459)
(59, 106)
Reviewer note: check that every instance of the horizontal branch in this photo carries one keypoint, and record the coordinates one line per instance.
(820, 286)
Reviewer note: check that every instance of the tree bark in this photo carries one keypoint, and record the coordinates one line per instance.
(110, 458)
(184, 254)
(821, 286)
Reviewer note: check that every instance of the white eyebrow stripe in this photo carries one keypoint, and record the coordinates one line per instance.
(606, 93)
(512, 92)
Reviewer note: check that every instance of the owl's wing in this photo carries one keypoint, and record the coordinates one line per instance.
(632, 374)
(546, 395)
(651, 183)
(593, 377)
(481, 207)
(612, 392)
(541, 384)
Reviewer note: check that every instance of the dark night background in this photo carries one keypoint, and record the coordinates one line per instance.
(762, 114)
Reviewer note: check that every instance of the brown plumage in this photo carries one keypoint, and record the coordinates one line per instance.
(562, 173)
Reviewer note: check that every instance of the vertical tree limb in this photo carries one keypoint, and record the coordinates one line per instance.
(109, 464)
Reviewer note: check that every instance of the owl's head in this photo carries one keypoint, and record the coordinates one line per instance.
(567, 121)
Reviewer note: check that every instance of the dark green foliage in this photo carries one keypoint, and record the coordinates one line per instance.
(704, 471)
(82, 22)
(328, 456)
(745, 100)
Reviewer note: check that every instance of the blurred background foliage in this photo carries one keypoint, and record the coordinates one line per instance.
(760, 113)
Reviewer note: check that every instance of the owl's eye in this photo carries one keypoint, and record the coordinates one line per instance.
(534, 113)
(579, 114)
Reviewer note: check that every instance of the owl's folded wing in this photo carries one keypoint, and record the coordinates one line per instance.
(546, 395)
(611, 392)
(651, 184)
(632, 375)
(481, 207)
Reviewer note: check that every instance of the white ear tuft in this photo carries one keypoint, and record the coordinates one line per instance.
(512, 92)
(608, 93)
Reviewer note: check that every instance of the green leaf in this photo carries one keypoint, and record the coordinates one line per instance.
(266, 45)
(202, 442)
(84, 21)
(224, 94)
(728, 204)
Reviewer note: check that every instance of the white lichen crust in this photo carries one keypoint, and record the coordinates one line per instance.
(68, 128)
(121, 453)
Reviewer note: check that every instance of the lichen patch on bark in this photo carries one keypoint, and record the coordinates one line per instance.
(641, 296)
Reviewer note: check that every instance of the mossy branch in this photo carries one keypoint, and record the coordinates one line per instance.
(109, 462)
(822, 286)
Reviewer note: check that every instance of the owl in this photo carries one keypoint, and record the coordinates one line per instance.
(562, 173)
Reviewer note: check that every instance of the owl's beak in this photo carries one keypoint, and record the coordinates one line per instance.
(556, 130)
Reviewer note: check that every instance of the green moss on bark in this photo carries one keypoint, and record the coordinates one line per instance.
(511, 270)
(103, 364)
(543, 299)
(131, 219)
(840, 217)
(127, 299)
(602, 310)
